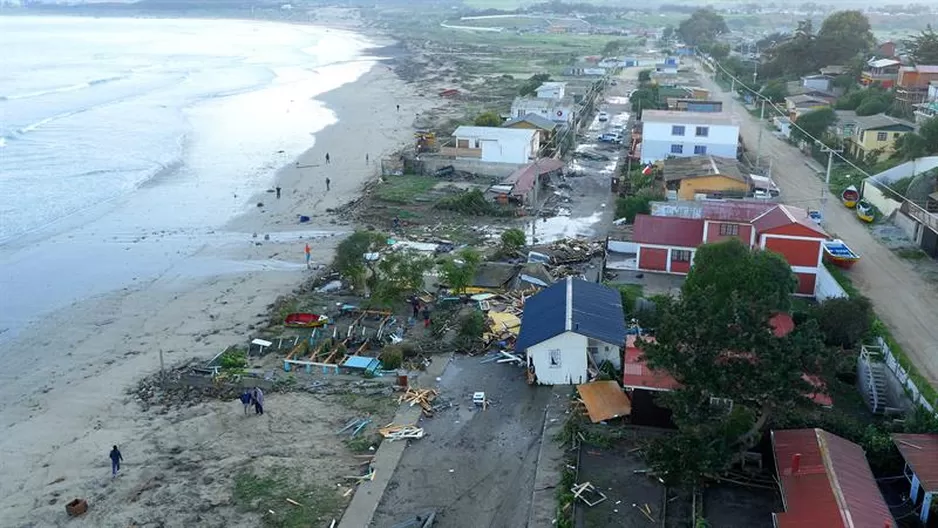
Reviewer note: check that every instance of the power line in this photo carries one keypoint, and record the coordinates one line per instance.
(823, 145)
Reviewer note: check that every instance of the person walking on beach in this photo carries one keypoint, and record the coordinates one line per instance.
(278, 192)
(258, 397)
(328, 183)
(327, 157)
(308, 255)
(398, 108)
(426, 316)
(116, 459)
(246, 401)
(366, 158)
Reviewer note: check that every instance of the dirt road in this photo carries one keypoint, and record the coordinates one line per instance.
(475, 468)
(906, 302)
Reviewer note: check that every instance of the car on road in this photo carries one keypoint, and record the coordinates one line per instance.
(603, 116)
(610, 137)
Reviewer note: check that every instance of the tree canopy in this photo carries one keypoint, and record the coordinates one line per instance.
(530, 85)
(843, 35)
(350, 255)
(914, 145)
(457, 272)
(717, 341)
(703, 27)
(488, 119)
(923, 48)
(814, 124)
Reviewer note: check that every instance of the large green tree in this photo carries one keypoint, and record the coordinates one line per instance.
(349, 258)
(793, 56)
(914, 145)
(813, 124)
(399, 273)
(923, 48)
(717, 341)
(844, 35)
(702, 28)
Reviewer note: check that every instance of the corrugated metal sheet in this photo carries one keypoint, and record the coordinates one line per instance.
(636, 373)
(596, 312)
(668, 231)
(832, 484)
(783, 215)
(604, 400)
(920, 452)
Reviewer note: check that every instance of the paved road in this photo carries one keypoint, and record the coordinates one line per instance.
(906, 302)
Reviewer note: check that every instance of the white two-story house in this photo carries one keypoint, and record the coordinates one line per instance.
(551, 102)
(668, 133)
(494, 144)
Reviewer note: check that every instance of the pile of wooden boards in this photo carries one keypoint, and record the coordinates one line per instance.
(423, 397)
(400, 432)
(587, 493)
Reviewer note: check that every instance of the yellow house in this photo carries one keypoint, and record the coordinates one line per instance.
(705, 177)
(544, 126)
(875, 133)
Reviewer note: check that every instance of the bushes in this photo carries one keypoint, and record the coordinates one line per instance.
(471, 203)
(513, 240)
(392, 357)
(844, 321)
(630, 206)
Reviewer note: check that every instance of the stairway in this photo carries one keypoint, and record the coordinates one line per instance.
(876, 387)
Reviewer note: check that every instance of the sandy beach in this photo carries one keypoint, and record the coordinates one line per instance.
(65, 380)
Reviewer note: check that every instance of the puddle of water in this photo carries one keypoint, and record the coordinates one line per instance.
(559, 227)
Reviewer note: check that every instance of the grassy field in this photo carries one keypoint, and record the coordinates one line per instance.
(404, 189)
(267, 494)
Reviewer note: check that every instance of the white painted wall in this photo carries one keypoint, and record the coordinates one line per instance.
(826, 287)
(822, 84)
(548, 108)
(657, 139)
(572, 366)
(605, 352)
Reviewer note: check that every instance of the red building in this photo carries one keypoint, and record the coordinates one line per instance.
(667, 239)
(826, 481)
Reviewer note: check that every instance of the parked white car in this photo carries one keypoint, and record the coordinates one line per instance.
(603, 116)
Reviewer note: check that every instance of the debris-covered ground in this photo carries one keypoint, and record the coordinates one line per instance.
(474, 467)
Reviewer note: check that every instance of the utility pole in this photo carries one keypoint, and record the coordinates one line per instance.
(827, 179)
(761, 127)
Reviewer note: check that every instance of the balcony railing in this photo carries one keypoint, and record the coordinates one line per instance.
(458, 152)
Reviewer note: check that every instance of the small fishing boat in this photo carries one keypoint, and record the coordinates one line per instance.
(850, 197)
(305, 320)
(865, 211)
(839, 254)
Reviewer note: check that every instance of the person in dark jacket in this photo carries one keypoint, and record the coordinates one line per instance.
(116, 458)
(247, 401)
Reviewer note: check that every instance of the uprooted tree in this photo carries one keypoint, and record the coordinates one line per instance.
(350, 256)
(717, 341)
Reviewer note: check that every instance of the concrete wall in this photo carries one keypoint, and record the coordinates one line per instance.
(605, 352)
(877, 197)
(909, 226)
(621, 246)
(826, 287)
(690, 187)
(430, 163)
(570, 348)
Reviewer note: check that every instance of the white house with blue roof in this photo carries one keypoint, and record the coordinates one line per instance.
(569, 328)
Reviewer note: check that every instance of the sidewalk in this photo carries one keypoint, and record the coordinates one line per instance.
(365, 501)
(543, 512)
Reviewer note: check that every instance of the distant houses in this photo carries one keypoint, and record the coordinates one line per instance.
(550, 102)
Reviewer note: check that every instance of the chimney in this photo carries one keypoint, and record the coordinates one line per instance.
(795, 463)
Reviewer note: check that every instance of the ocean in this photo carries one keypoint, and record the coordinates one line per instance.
(112, 129)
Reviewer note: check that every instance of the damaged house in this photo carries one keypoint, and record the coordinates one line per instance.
(569, 329)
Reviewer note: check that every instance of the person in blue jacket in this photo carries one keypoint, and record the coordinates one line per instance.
(116, 458)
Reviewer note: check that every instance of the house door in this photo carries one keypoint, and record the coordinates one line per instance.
(930, 242)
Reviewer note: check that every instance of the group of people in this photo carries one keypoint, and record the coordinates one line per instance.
(253, 398)
(415, 304)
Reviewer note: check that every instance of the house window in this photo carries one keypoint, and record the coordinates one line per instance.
(881, 136)
(554, 357)
(896, 135)
(677, 149)
(729, 229)
(703, 131)
(462, 143)
(700, 149)
(677, 130)
(680, 255)
(478, 144)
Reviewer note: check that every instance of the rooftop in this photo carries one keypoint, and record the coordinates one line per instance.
(604, 400)
(637, 375)
(882, 63)
(496, 133)
(551, 84)
(920, 452)
(922, 68)
(534, 119)
(523, 179)
(678, 117)
(668, 231)
(573, 305)
(825, 480)
(783, 215)
(728, 211)
(700, 166)
(805, 99)
(878, 121)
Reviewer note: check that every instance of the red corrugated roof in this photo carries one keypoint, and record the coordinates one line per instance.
(782, 324)
(637, 375)
(783, 215)
(668, 231)
(920, 452)
(832, 484)
(734, 211)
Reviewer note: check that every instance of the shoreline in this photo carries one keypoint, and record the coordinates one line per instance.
(64, 388)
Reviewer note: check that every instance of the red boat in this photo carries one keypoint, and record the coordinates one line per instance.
(839, 254)
(305, 320)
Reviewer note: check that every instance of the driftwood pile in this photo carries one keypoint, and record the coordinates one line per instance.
(422, 397)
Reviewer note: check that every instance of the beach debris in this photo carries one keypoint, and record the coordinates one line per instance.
(588, 493)
(400, 432)
(293, 502)
(418, 521)
(353, 427)
(423, 397)
(361, 478)
(76, 507)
